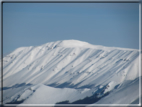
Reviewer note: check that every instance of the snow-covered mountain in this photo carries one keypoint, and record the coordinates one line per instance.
(71, 71)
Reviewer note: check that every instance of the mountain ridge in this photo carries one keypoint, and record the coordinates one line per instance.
(64, 54)
(63, 65)
(71, 44)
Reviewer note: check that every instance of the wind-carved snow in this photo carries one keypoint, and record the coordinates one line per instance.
(68, 64)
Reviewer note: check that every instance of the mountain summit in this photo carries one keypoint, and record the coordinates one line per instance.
(74, 43)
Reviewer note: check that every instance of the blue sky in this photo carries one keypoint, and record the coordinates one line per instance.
(107, 24)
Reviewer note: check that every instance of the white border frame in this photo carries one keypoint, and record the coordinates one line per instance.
(140, 22)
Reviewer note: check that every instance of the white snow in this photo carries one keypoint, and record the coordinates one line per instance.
(49, 95)
(124, 95)
(67, 64)
(25, 95)
(110, 87)
(74, 43)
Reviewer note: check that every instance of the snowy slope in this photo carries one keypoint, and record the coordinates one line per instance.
(45, 95)
(67, 64)
(124, 95)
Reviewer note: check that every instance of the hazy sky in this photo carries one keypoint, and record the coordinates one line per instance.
(33, 24)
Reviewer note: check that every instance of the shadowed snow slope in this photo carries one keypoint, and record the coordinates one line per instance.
(69, 64)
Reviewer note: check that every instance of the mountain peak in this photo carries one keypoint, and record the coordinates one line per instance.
(74, 43)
